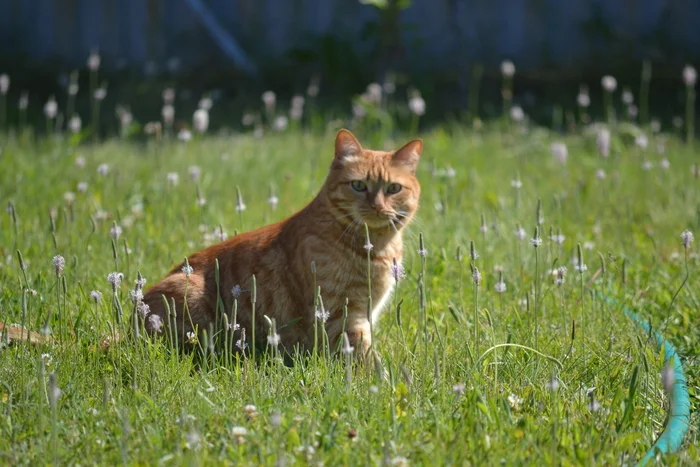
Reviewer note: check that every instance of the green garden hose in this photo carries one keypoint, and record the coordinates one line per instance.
(678, 421)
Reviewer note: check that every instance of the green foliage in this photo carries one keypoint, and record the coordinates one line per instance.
(384, 4)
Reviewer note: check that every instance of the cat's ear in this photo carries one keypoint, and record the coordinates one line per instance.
(409, 154)
(346, 146)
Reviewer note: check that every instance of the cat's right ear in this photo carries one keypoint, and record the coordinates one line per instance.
(346, 146)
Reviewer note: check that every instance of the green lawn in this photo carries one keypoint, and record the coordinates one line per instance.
(450, 391)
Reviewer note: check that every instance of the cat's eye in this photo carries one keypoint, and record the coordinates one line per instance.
(393, 188)
(358, 185)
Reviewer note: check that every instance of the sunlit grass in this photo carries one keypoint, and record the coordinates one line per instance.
(539, 372)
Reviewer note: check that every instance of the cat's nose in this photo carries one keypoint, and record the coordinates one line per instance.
(378, 203)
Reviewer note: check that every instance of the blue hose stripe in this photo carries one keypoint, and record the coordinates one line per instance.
(679, 413)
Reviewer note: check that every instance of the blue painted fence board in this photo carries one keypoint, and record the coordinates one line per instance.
(438, 33)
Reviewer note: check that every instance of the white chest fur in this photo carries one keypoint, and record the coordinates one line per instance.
(381, 304)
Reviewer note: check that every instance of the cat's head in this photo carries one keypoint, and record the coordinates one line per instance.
(378, 188)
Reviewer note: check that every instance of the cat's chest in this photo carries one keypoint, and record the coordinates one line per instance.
(354, 278)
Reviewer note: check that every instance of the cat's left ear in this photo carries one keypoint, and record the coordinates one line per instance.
(409, 154)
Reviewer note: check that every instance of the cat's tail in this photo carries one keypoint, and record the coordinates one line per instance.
(11, 334)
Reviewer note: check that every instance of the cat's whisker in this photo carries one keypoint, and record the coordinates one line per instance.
(348, 230)
(391, 221)
(407, 229)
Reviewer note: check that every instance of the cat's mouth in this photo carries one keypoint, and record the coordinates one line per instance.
(379, 220)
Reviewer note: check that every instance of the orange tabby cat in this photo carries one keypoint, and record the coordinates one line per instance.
(373, 187)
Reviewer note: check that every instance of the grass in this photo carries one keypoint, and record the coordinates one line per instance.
(467, 375)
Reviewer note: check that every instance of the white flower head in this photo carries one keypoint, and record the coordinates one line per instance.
(23, 101)
(59, 262)
(155, 323)
(250, 411)
(240, 205)
(358, 111)
(136, 296)
(206, 103)
(248, 119)
(560, 152)
(690, 76)
(668, 377)
(184, 135)
(173, 178)
(558, 238)
(583, 99)
(115, 232)
(559, 275)
(397, 270)
(641, 141)
(47, 358)
(298, 101)
(374, 93)
(476, 276)
(281, 123)
(321, 314)
(553, 383)
(75, 124)
(168, 96)
(269, 98)
(241, 343)
(416, 104)
(195, 173)
(100, 93)
(514, 401)
(51, 108)
(507, 68)
(93, 61)
(168, 114)
(627, 97)
(200, 120)
(69, 197)
(517, 114)
(239, 433)
(115, 278)
(143, 309)
(609, 83)
(125, 118)
(192, 338)
(273, 340)
(500, 286)
(687, 237)
(347, 348)
(4, 83)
